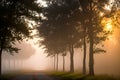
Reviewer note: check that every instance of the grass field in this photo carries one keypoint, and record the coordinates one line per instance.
(60, 76)
(79, 76)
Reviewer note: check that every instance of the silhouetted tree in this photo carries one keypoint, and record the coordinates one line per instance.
(60, 27)
(63, 55)
(12, 22)
(91, 22)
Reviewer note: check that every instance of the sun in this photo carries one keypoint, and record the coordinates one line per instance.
(108, 27)
(107, 24)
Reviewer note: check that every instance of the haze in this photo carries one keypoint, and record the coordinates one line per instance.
(59, 31)
(32, 57)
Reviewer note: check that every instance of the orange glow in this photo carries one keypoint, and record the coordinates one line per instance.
(107, 7)
(101, 14)
(108, 24)
(108, 27)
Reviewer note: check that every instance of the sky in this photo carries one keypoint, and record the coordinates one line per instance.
(33, 57)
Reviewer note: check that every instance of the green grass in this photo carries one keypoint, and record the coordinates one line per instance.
(71, 76)
(64, 76)
(100, 77)
(79, 76)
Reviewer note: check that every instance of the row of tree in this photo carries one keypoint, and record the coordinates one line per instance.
(67, 24)
(70, 24)
(13, 26)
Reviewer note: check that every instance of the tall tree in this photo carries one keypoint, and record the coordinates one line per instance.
(96, 34)
(84, 54)
(63, 55)
(60, 27)
(12, 23)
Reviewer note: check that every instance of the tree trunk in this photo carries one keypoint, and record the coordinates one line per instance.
(91, 55)
(63, 63)
(1, 60)
(84, 54)
(57, 63)
(54, 62)
(1, 49)
(9, 64)
(22, 64)
(14, 64)
(71, 58)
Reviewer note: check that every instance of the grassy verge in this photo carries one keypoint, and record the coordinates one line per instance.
(7, 76)
(11, 75)
(79, 76)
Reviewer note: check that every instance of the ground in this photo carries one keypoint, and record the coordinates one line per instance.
(20, 75)
(54, 76)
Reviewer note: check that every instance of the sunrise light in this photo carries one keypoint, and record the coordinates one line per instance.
(40, 39)
(107, 24)
(101, 14)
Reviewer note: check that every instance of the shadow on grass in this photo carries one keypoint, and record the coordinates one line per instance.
(79, 76)
(101, 77)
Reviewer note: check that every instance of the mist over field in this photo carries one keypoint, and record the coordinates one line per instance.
(59, 39)
(31, 58)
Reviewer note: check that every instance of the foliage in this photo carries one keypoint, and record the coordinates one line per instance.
(67, 22)
(13, 26)
(60, 27)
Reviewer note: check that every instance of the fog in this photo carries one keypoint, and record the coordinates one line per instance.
(33, 57)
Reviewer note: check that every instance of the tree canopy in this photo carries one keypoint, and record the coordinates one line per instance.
(13, 26)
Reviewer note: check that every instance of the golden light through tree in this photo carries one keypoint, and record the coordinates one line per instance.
(107, 24)
(67, 30)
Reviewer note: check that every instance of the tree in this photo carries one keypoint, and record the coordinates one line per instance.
(64, 54)
(91, 22)
(12, 21)
(89, 19)
(60, 29)
(52, 50)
